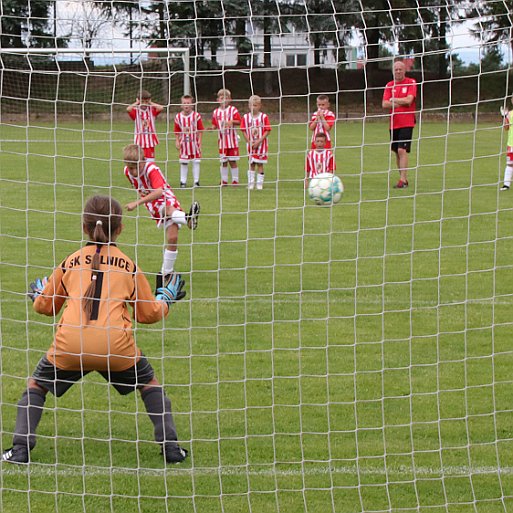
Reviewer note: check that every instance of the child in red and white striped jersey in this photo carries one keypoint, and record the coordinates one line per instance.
(320, 160)
(189, 134)
(158, 197)
(322, 120)
(144, 112)
(225, 119)
(255, 127)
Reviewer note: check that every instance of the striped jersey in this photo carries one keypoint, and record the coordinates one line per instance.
(106, 341)
(319, 127)
(227, 136)
(319, 161)
(144, 131)
(187, 127)
(150, 179)
(254, 127)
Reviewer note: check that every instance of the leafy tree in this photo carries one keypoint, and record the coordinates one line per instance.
(492, 60)
(495, 23)
(317, 19)
(24, 23)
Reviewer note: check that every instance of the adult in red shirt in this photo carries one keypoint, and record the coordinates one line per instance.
(399, 98)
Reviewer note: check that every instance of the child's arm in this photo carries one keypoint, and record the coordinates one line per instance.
(158, 108)
(307, 171)
(235, 121)
(201, 129)
(313, 122)
(53, 296)
(147, 309)
(152, 196)
(131, 107)
(177, 130)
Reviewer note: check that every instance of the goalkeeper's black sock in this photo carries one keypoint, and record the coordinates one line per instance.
(158, 406)
(30, 409)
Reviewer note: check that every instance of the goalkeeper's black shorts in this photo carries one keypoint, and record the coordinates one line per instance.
(58, 381)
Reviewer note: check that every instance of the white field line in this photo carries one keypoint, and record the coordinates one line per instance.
(35, 469)
(296, 296)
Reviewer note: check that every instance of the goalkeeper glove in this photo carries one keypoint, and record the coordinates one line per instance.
(172, 291)
(36, 288)
(504, 112)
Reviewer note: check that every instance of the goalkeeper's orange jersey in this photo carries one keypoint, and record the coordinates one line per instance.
(106, 341)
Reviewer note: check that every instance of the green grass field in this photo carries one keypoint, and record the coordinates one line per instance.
(346, 359)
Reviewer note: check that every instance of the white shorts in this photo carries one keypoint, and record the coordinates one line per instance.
(254, 159)
(186, 161)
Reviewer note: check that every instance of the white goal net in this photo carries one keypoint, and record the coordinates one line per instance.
(342, 358)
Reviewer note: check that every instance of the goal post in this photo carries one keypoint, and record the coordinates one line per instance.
(47, 75)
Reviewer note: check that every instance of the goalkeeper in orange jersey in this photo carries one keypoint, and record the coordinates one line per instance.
(98, 282)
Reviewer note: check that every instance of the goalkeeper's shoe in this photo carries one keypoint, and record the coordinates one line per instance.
(16, 454)
(505, 187)
(192, 216)
(174, 453)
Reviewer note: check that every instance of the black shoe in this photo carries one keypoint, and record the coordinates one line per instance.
(505, 187)
(183, 185)
(16, 454)
(174, 453)
(192, 217)
(196, 184)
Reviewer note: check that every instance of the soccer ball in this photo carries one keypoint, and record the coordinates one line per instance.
(325, 189)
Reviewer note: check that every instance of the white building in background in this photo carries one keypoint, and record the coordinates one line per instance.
(288, 50)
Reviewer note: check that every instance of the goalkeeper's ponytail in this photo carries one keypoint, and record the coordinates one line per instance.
(102, 222)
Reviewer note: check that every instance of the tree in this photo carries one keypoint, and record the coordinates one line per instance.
(87, 23)
(24, 24)
(317, 19)
(495, 22)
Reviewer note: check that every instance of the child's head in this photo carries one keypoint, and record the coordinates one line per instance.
(323, 102)
(144, 96)
(224, 97)
(187, 103)
(133, 156)
(320, 141)
(102, 223)
(255, 103)
(102, 219)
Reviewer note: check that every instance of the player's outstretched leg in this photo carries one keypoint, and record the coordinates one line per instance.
(192, 216)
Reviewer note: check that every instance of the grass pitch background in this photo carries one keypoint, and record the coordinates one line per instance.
(346, 359)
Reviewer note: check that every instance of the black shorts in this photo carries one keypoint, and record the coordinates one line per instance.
(58, 381)
(401, 138)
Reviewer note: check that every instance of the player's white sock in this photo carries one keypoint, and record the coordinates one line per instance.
(149, 159)
(168, 265)
(251, 179)
(235, 174)
(196, 171)
(178, 217)
(224, 174)
(508, 174)
(260, 181)
(184, 171)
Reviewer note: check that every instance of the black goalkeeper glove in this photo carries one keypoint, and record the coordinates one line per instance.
(36, 288)
(172, 291)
